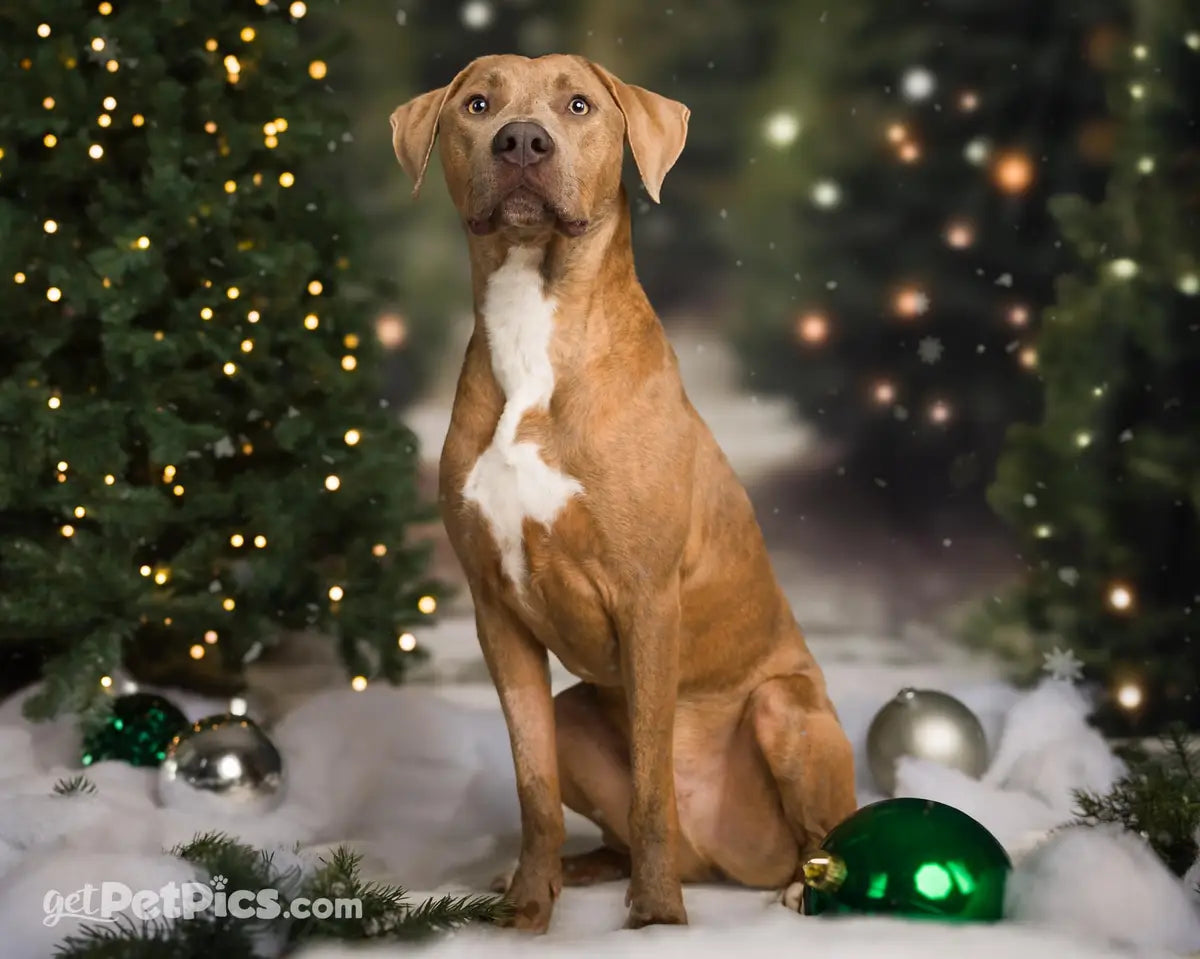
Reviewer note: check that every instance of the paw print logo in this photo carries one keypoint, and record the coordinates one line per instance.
(218, 882)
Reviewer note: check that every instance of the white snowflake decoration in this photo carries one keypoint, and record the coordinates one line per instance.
(930, 349)
(1063, 665)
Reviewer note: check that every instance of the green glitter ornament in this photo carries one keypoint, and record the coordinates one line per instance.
(137, 731)
(908, 857)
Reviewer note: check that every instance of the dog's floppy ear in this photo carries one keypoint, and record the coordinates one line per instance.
(414, 129)
(655, 126)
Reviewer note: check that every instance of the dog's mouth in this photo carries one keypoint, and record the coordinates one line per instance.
(524, 207)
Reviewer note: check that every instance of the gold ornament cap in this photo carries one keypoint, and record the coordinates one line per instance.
(824, 871)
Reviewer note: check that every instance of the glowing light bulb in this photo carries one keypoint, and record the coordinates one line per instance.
(253, 316)
(897, 133)
(1188, 284)
(260, 541)
(210, 127)
(105, 8)
(233, 293)
(142, 243)
(106, 681)
(206, 313)
(959, 235)
(1013, 172)
(352, 437)
(145, 570)
(54, 294)
(350, 341)
(910, 302)
(48, 103)
(286, 179)
(109, 103)
(315, 287)
(884, 392)
(168, 473)
(427, 605)
(1120, 597)
(247, 34)
(247, 346)
(43, 30)
(317, 69)
(231, 186)
(50, 226)
(49, 139)
(104, 120)
(229, 369)
(336, 593)
(298, 9)
(271, 142)
(812, 328)
(1018, 315)
(18, 277)
(1123, 268)
(95, 151)
(112, 66)
(1043, 531)
(407, 642)
(939, 412)
(54, 402)
(910, 152)
(178, 490)
(232, 66)
(379, 550)
(196, 651)
(237, 540)
(138, 119)
(210, 636)
(1028, 357)
(311, 322)
(1137, 91)
(228, 604)
(63, 466)
(826, 194)
(332, 483)
(1083, 439)
(391, 331)
(349, 363)
(97, 44)
(781, 128)
(80, 512)
(1145, 165)
(68, 530)
(1129, 695)
(161, 577)
(358, 683)
(210, 44)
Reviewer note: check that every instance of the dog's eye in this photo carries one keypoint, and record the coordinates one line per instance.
(579, 106)
(477, 105)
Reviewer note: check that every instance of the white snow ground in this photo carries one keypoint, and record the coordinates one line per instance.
(420, 780)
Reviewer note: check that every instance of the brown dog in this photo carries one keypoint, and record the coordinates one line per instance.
(596, 518)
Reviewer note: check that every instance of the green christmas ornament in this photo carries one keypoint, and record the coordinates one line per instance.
(908, 857)
(137, 731)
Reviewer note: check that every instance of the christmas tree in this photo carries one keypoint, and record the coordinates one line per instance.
(1104, 491)
(897, 244)
(193, 456)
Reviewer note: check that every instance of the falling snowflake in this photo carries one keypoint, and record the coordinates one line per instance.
(1063, 665)
(930, 349)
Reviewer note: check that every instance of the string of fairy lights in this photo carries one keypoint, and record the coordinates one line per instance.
(391, 328)
(1012, 172)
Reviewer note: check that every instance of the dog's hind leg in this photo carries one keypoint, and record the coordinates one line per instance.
(809, 756)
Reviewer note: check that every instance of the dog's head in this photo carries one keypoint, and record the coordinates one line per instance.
(535, 145)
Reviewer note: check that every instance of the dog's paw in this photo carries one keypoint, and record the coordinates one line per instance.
(792, 897)
(531, 894)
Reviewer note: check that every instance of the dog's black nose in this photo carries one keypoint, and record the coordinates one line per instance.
(523, 143)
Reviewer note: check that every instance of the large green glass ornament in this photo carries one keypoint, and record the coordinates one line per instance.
(137, 731)
(908, 857)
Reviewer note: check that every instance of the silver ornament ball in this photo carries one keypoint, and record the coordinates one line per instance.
(924, 724)
(224, 765)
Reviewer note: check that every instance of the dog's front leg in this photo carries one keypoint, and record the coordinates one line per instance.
(519, 667)
(649, 639)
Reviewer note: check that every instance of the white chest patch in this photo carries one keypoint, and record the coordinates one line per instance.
(510, 482)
